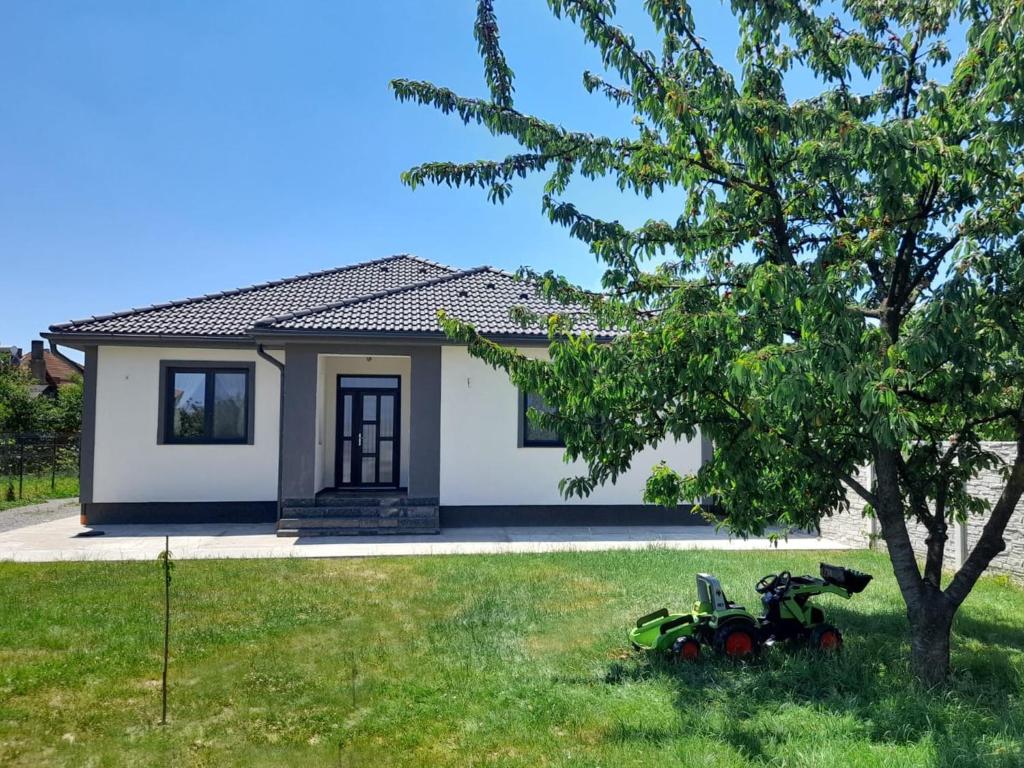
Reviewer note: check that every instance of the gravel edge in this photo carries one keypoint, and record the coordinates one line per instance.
(33, 514)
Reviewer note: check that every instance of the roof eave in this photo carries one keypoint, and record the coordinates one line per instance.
(80, 340)
(269, 334)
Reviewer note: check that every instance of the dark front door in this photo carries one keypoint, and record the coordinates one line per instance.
(366, 451)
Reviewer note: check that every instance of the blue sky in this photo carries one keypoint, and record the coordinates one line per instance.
(152, 151)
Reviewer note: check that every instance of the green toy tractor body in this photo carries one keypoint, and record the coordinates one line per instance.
(732, 630)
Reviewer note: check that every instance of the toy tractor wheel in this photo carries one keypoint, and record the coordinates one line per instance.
(736, 641)
(826, 638)
(685, 649)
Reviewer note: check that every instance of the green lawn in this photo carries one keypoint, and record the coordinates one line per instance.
(509, 660)
(36, 489)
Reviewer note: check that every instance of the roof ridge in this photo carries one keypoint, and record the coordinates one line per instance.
(268, 321)
(504, 272)
(248, 289)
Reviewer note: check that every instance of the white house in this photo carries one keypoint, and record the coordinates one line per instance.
(331, 402)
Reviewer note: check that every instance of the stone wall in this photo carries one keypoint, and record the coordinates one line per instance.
(989, 485)
(854, 529)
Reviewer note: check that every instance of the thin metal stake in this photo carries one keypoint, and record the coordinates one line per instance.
(353, 682)
(167, 621)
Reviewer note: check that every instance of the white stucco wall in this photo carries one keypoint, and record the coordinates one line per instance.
(329, 368)
(129, 464)
(481, 463)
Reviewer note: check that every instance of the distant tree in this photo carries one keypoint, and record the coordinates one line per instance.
(23, 411)
(846, 273)
(18, 409)
(66, 415)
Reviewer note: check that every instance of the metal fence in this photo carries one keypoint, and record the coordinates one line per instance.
(36, 459)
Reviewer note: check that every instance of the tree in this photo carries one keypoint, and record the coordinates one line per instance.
(21, 411)
(843, 285)
(18, 408)
(64, 414)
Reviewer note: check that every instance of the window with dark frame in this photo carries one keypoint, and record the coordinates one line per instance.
(533, 435)
(205, 404)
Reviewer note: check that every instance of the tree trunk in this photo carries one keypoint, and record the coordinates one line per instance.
(930, 627)
(929, 611)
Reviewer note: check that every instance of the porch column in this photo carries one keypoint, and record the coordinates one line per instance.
(425, 422)
(298, 434)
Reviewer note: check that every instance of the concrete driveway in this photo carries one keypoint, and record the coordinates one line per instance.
(58, 540)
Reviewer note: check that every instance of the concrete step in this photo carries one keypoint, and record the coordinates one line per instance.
(304, 532)
(313, 513)
(319, 513)
(338, 522)
(355, 501)
(365, 500)
(300, 520)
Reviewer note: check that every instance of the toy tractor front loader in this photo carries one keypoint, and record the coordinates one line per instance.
(734, 632)
(713, 621)
(787, 614)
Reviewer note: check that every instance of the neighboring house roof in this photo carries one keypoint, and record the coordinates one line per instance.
(59, 370)
(395, 295)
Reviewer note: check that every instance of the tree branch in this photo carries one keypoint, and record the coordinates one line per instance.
(889, 511)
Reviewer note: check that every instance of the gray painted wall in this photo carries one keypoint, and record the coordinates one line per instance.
(87, 447)
(298, 438)
(425, 423)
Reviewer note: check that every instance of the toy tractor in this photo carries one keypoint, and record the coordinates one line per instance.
(734, 632)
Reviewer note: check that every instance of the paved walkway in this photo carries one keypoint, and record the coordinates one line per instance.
(56, 541)
(19, 517)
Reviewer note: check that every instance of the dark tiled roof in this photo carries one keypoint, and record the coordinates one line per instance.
(396, 295)
(483, 296)
(233, 313)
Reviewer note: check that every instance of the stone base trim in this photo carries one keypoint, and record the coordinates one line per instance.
(567, 515)
(170, 512)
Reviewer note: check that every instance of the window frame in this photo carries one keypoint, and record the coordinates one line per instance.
(165, 412)
(525, 441)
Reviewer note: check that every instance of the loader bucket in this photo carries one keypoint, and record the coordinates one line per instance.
(845, 578)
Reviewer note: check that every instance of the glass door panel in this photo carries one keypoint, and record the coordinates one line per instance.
(367, 433)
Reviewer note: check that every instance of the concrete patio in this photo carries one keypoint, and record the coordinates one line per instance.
(57, 541)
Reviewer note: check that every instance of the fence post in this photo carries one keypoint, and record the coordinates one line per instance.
(21, 468)
(962, 548)
(53, 464)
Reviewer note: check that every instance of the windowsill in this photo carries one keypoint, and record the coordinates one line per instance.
(207, 442)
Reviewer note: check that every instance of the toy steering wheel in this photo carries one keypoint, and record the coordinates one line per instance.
(770, 582)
